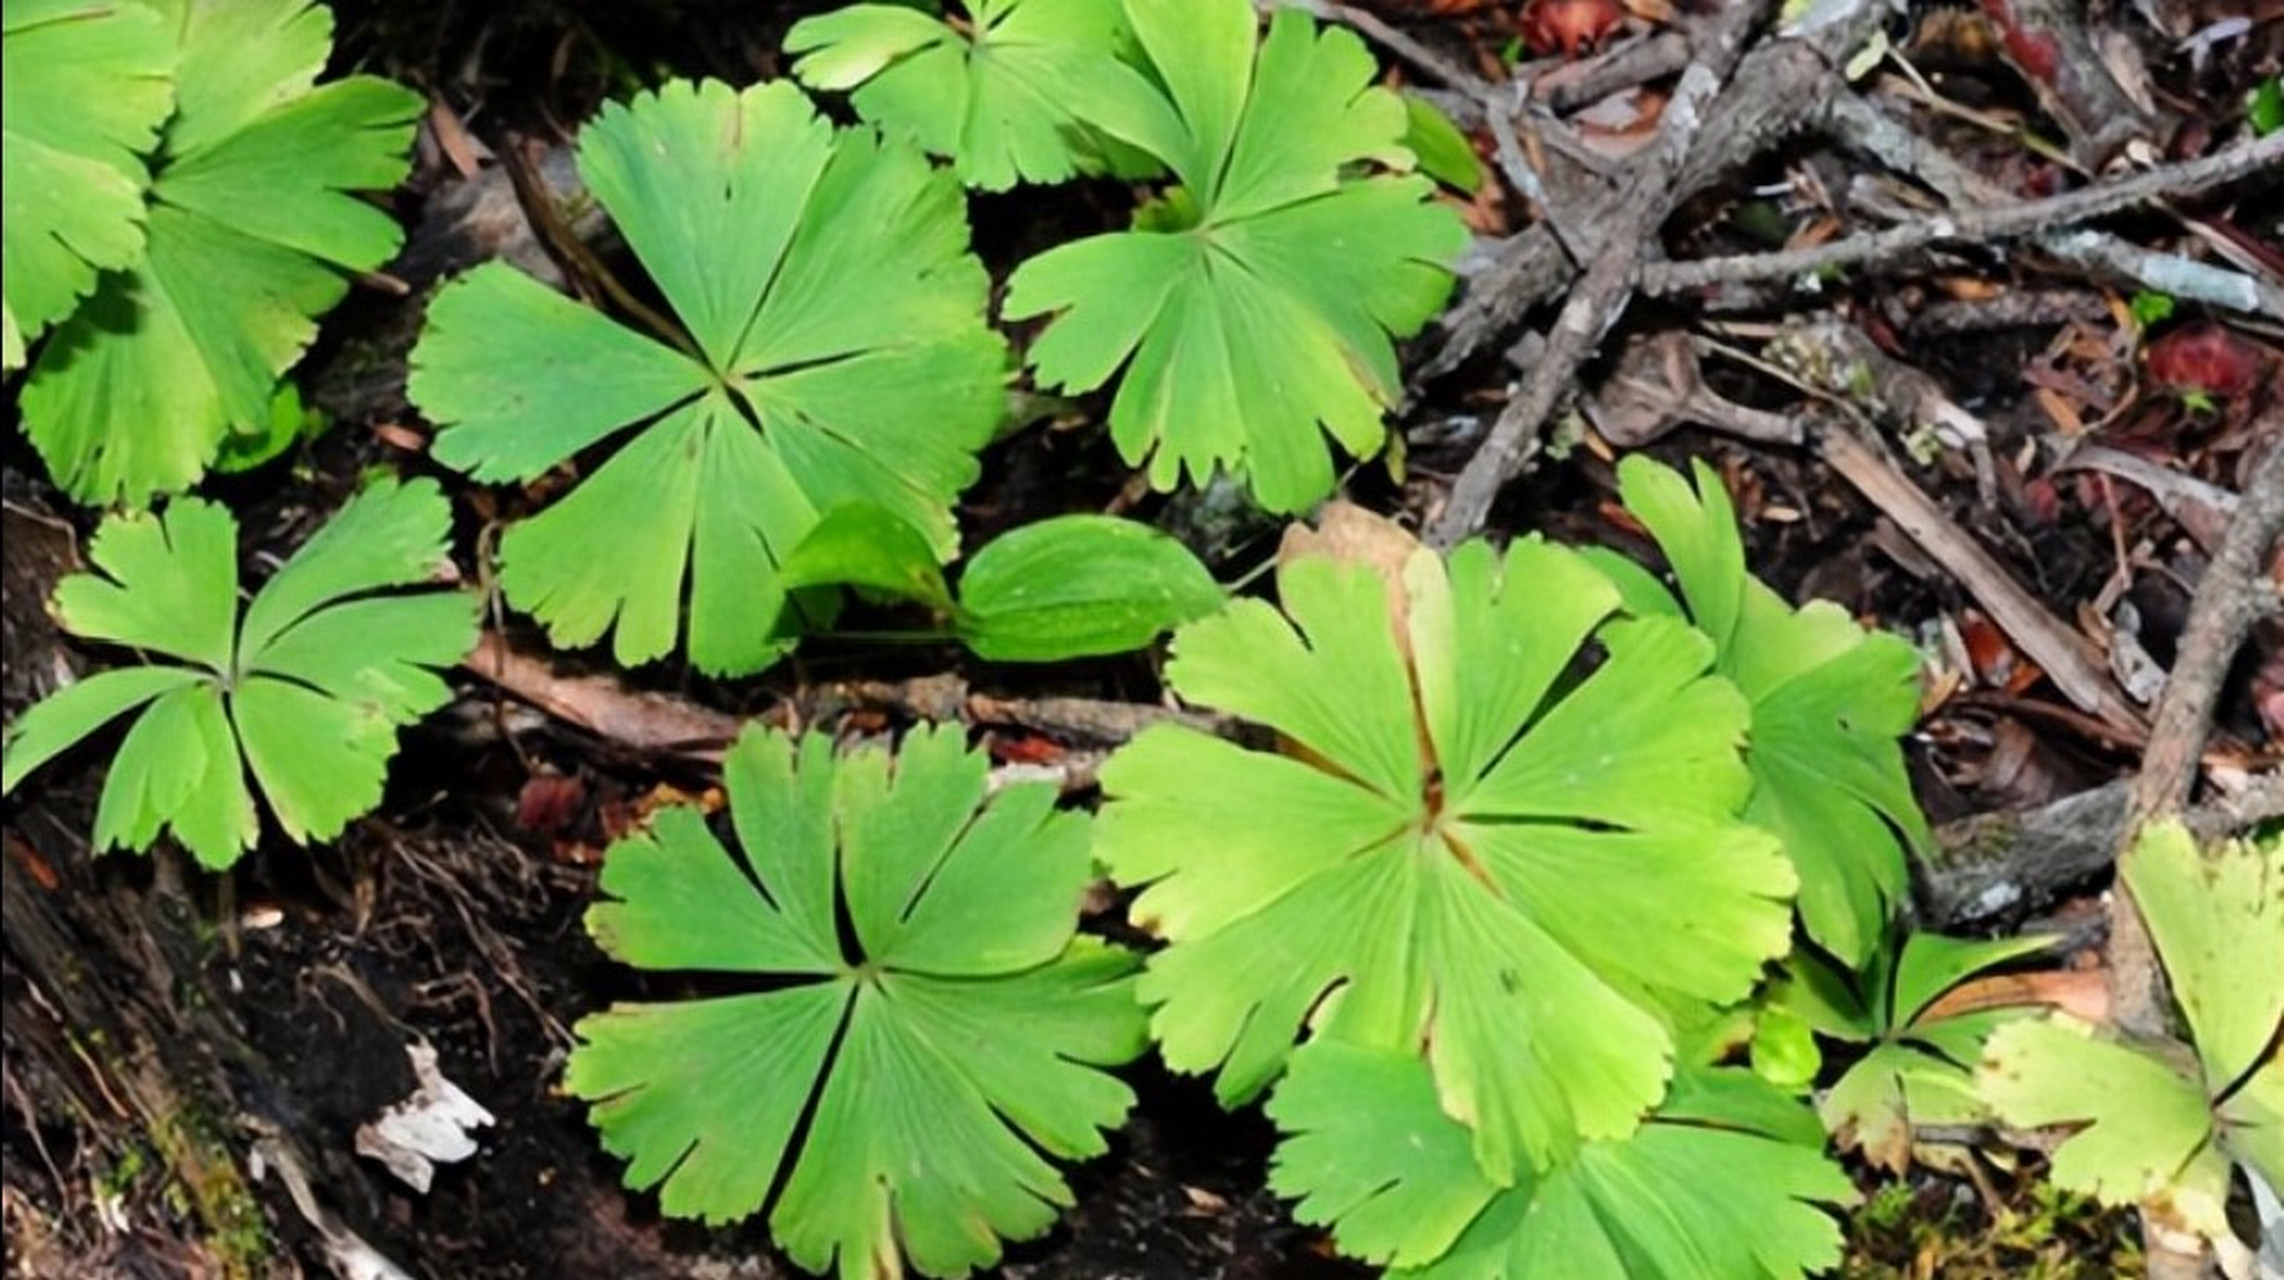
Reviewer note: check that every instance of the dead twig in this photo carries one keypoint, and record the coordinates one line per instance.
(1574, 84)
(2201, 509)
(1403, 46)
(604, 706)
(2236, 590)
(2067, 657)
(1977, 224)
(1857, 123)
(2186, 279)
(1778, 89)
(1839, 362)
(2007, 862)
(1601, 294)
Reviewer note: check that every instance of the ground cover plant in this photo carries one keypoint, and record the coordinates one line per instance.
(217, 238)
(919, 1069)
(305, 690)
(885, 649)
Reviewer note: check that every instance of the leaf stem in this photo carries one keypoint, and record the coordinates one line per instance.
(582, 262)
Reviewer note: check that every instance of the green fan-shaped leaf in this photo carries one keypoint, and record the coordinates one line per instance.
(1829, 703)
(1254, 307)
(2216, 919)
(1079, 585)
(836, 354)
(2158, 1124)
(1477, 849)
(942, 1054)
(995, 94)
(1724, 1181)
(1370, 1153)
(252, 229)
(2146, 1125)
(84, 86)
(307, 691)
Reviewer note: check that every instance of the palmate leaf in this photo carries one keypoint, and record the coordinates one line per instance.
(957, 1042)
(1829, 702)
(1477, 851)
(2155, 1124)
(838, 355)
(995, 95)
(306, 692)
(1724, 1181)
(1254, 307)
(84, 86)
(1919, 1070)
(251, 231)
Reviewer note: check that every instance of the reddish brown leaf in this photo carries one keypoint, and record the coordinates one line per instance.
(549, 802)
(2036, 52)
(2268, 695)
(1998, 665)
(1570, 25)
(2205, 357)
(2081, 993)
(1029, 748)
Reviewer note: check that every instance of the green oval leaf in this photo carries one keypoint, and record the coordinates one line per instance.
(863, 545)
(1079, 585)
(1444, 152)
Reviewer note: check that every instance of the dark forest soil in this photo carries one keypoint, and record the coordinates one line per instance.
(330, 966)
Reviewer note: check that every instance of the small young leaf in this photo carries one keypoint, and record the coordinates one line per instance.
(960, 1037)
(1918, 1071)
(291, 422)
(1444, 152)
(1784, 1050)
(307, 692)
(251, 231)
(838, 355)
(1829, 703)
(2150, 308)
(1253, 308)
(994, 95)
(863, 545)
(84, 88)
(1079, 585)
(1469, 847)
(2264, 106)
